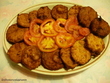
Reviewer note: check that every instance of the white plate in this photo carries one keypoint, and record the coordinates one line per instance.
(62, 71)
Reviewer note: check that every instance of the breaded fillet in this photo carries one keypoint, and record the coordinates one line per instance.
(15, 51)
(59, 11)
(52, 60)
(67, 58)
(100, 27)
(31, 57)
(74, 11)
(32, 15)
(44, 13)
(79, 53)
(23, 20)
(86, 15)
(95, 44)
(15, 33)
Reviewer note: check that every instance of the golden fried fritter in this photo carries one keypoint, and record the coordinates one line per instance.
(95, 44)
(79, 53)
(74, 11)
(15, 33)
(59, 11)
(32, 15)
(100, 27)
(31, 57)
(23, 20)
(86, 15)
(67, 58)
(15, 51)
(44, 13)
(51, 60)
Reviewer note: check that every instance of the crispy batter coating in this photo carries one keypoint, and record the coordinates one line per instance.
(44, 13)
(15, 51)
(60, 11)
(32, 15)
(23, 20)
(15, 33)
(67, 58)
(79, 53)
(95, 44)
(31, 57)
(86, 15)
(100, 27)
(52, 60)
(74, 11)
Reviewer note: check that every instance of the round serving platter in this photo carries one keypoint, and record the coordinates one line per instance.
(62, 71)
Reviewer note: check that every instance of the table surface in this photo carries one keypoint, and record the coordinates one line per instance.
(98, 73)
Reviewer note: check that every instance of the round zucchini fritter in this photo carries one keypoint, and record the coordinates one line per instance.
(32, 15)
(100, 27)
(52, 60)
(74, 11)
(23, 20)
(67, 58)
(15, 51)
(44, 13)
(95, 44)
(86, 15)
(31, 57)
(15, 33)
(79, 53)
(59, 11)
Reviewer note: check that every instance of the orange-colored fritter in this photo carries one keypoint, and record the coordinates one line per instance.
(94, 44)
(15, 51)
(44, 13)
(79, 53)
(74, 11)
(15, 33)
(86, 15)
(59, 11)
(100, 27)
(52, 60)
(32, 15)
(67, 58)
(31, 57)
(23, 20)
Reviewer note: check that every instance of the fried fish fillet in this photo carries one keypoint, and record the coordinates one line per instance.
(15, 33)
(44, 13)
(52, 60)
(67, 58)
(100, 27)
(15, 51)
(59, 11)
(23, 20)
(95, 44)
(32, 15)
(86, 15)
(74, 11)
(79, 53)
(31, 57)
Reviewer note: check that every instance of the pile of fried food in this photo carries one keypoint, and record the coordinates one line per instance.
(57, 38)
